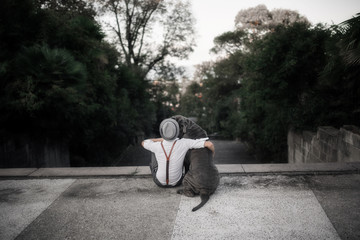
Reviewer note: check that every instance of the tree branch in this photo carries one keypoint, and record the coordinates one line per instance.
(143, 26)
(159, 58)
(118, 31)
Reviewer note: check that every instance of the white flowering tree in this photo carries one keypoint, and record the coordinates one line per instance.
(260, 19)
(254, 23)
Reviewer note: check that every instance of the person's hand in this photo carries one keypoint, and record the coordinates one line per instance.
(210, 146)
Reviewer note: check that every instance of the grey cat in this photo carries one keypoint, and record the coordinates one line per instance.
(202, 177)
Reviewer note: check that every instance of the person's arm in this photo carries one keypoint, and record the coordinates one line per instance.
(153, 139)
(201, 143)
(157, 139)
(210, 146)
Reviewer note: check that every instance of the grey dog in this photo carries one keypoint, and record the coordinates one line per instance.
(202, 177)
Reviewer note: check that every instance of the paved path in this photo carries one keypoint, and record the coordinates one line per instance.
(227, 152)
(257, 205)
(232, 152)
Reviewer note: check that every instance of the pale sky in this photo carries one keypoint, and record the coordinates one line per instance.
(214, 17)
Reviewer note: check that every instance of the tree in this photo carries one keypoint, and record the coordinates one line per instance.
(47, 86)
(60, 80)
(148, 31)
(350, 44)
(339, 86)
(72, 7)
(164, 97)
(259, 19)
(220, 90)
(281, 69)
(230, 42)
(251, 24)
(191, 103)
(216, 99)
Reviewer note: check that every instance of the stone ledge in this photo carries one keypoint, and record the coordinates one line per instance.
(144, 171)
(304, 168)
(17, 172)
(230, 168)
(85, 171)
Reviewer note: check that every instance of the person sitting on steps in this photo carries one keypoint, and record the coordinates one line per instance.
(169, 151)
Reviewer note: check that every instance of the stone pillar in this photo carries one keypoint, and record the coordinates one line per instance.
(349, 147)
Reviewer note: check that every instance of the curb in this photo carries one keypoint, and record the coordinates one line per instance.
(144, 171)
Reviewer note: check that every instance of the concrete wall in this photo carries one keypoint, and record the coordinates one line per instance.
(328, 144)
(23, 151)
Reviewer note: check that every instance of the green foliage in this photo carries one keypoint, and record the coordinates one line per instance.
(230, 41)
(138, 111)
(350, 43)
(339, 85)
(61, 80)
(220, 100)
(191, 103)
(47, 81)
(279, 71)
(294, 76)
(19, 26)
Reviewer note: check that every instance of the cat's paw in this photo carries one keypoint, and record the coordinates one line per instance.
(189, 193)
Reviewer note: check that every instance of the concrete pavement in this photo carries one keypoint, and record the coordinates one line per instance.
(316, 201)
(232, 152)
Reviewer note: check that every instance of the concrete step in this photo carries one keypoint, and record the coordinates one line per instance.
(144, 171)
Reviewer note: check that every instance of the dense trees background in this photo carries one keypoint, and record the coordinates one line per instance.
(60, 79)
(276, 72)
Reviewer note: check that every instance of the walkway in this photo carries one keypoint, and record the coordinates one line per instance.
(315, 201)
